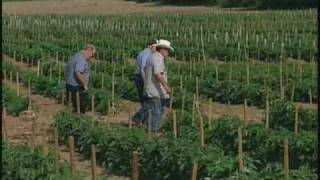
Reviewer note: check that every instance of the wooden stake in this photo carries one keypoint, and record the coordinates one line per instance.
(122, 73)
(182, 105)
(71, 156)
(300, 73)
(201, 131)
(59, 74)
(281, 82)
(193, 109)
(292, 92)
(149, 126)
(268, 68)
(44, 148)
(56, 150)
(62, 97)
(78, 102)
(210, 113)
(38, 69)
(217, 72)
(248, 73)
(310, 96)
(181, 84)
(267, 113)
(194, 171)
(102, 81)
(240, 150)
(70, 99)
(113, 106)
(174, 114)
(230, 71)
(197, 88)
(92, 103)
(135, 165)
(171, 99)
(17, 84)
(245, 112)
(130, 121)
(33, 129)
(11, 76)
(286, 159)
(4, 75)
(4, 130)
(93, 162)
(29, 92)
(296, 120)
(50, 72)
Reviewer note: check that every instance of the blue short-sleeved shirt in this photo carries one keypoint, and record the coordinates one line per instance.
(77, 63)
(142, 59)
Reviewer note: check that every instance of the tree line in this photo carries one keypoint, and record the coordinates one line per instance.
(259, 4)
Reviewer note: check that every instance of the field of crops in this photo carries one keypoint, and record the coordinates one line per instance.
(264, 60)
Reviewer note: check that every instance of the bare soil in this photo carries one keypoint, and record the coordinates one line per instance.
(95, 7)
(19, 128)
(253, 114)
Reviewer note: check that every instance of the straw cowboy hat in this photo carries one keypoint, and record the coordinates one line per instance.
(164, 44)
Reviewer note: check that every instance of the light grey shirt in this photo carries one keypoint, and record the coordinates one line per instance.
(77, 63)
(154, 65)
(142, 59)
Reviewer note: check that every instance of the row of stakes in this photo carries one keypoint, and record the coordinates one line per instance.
(93, 103)
(135, 155)
(282, 89)
(286, 164)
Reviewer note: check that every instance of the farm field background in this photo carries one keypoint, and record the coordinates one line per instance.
(243, 91)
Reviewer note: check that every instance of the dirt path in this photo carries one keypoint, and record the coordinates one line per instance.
(253, 114)
(95, 7)
(129, 108)
(19, 129)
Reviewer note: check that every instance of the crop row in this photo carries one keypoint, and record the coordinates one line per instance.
(23, 162)
(227, 82)
(217, 35)
(14, 104)
(173, 157)
(222, 89)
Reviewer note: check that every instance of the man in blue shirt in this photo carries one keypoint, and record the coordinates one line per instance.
(156, 84)
(77, 73)
(140, 63)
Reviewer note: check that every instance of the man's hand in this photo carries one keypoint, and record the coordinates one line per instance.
(85, 88)
(163, 82)
(167, 88)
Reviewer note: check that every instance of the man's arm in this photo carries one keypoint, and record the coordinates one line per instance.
(82, 79)
(163, 82)
(79, 69)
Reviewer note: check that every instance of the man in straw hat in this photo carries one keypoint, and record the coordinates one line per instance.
(77, 76)
(139, 76)
(156, 85)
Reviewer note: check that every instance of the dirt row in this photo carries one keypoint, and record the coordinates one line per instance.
(96, 7)
(130, 107)
(19, 128)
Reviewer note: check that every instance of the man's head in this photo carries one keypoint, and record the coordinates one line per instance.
(164, 47)
(152, 45)
(88, 51)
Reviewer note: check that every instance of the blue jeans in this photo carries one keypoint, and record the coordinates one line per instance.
(157, 107)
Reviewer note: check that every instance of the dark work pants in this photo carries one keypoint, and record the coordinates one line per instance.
(138, 81)
(139, 84)
(83, 97)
